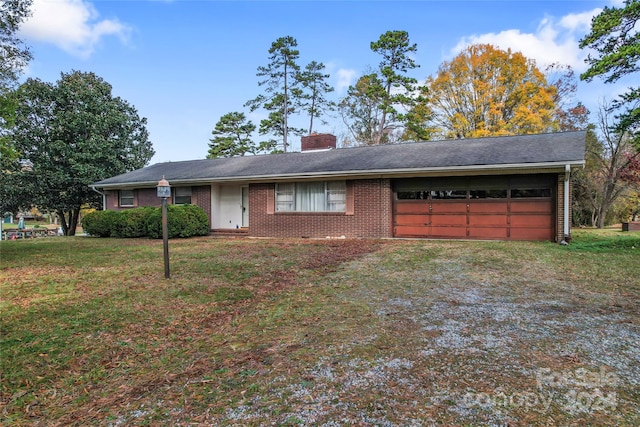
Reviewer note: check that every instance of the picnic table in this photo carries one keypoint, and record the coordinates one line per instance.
(27, 233)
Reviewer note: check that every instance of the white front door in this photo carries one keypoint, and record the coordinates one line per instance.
(227, 203)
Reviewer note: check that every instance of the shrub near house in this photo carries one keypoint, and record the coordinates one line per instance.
(182, 221)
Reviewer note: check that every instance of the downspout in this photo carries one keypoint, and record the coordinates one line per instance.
(104, 198)
(567, 176)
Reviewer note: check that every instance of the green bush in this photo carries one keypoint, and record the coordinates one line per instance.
(132, 222)
(99, 223)
(154, 224)
(196, 221)
(182, 221)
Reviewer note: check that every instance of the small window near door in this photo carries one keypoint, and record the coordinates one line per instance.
(125, 198)
(182, 196)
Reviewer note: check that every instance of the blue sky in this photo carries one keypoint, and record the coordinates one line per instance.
(184, 64)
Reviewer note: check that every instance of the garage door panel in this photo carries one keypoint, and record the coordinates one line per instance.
(449, 220)
(488, 220)
(448, 232)
(531, 234)
(488, 207)
(528, 206)
(448, 207)
(411, 231)
(412, 219)
(537, 221)
(412, 208)
(488, 233)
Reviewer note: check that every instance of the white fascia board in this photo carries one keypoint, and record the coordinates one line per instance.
(505, 169)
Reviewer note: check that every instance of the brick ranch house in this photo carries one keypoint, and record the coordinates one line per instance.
(504, 188)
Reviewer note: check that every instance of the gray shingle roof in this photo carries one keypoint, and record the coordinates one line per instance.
(466, 154)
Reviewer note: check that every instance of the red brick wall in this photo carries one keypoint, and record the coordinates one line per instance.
(201, 196)
(371, 217)
(141, 197)
(148, 197)
(317, 141)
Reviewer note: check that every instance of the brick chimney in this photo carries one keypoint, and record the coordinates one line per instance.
(318, 141)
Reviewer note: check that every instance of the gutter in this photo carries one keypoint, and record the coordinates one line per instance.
(567, 176)
(363, 174)
(104, 197)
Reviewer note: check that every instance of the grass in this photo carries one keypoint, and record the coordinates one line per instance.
(305, 332)
(28, 224)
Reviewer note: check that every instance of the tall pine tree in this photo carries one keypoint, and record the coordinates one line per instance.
(282, 92)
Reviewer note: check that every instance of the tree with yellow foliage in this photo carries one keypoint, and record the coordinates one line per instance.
(485, 91)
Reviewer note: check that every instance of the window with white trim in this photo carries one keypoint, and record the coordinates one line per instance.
(182, 196)
(126, 198)
(318, 196)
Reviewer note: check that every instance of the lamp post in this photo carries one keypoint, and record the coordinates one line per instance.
(164, 191)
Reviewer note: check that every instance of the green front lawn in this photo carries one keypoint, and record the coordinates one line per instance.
(315, 332)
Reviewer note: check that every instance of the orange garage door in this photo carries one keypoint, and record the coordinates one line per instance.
(515, 212)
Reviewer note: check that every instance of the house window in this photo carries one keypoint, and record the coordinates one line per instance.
(125, 198)
(329, 196)
(182, 196)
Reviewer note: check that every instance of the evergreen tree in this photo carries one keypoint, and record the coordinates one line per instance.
(282, 92)
(615, 37)
(315, 88)
(73, 133)
(232, 137)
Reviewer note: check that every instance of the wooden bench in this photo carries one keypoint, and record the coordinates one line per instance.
(631, 226)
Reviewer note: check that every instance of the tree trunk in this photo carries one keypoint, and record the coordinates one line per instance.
(63, 222)
(601, 216)
(602, 209)
(69, 221)
(285, 112)
(383, 120)
(382, 123)
(608, 198)
(311, 119)
(74, 216)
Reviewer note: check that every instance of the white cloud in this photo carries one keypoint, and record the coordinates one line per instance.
(72, 25)
(553, 41)
(579, 22)
(345, 78)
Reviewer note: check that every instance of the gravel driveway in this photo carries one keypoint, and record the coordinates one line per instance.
(453, 336)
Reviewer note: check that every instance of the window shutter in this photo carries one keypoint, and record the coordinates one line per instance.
(350, 199)
(271, 199)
